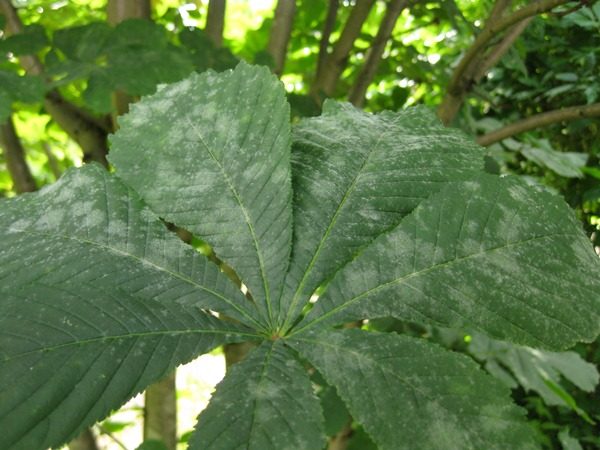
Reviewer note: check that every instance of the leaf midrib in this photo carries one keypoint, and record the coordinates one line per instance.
(246, 217)
(120, 252)
(329, 229)
(418, 273)
(171, 333)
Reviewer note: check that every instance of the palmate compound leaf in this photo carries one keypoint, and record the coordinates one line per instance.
(97, 300)
(356, 175)
(265, 402)
(410, 394)
(211, 154)
(492, 254)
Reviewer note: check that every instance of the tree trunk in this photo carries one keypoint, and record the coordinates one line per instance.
(14, 155)
(215, 21)
(160, 412)
(281, 30)
(367, 73)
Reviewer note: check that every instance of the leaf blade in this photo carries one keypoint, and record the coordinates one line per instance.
(269, 400)
(224, 159)
(356, 175)
(493, 254)
(446, 401)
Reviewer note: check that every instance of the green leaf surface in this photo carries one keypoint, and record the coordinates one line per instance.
(266, 402)
(90, 229)
(409, 394)
(82, 43)
(29, 41)
(94, 306)
(211, 154)
(492, 254)
(356, 175)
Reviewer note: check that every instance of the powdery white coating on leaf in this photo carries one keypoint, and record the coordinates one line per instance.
(409, 394)
(491, 254)
(265, 402)
(356, 175)
(96, 296)
(211, 154)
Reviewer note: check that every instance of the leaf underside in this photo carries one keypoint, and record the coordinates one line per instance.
(392, 216)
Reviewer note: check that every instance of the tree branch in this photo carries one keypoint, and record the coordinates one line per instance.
(328, 27)
(367, 73)
(460, 83)
(281, 31)
(336, 62)
(495, 54)
(215, 21)
(14, 155)
(89, 132)
(540, 120)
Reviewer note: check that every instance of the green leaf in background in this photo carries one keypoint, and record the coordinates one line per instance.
(83, 43)
(492, 253)
(265, 402)
(568, 442)
(534, 368)
(215, 161)
(567, 164)
(28, 42)
(22, 88)
(409, 394)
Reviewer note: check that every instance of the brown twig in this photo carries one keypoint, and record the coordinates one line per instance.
(460, 83)
(540, 120)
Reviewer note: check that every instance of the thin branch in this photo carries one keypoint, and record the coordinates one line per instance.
(459, 83)
(215, 21)
(495, 55)
(498, 10)
(328, 27)
(281, 31)
(14, 155)
(336, 62)
(540, 120)
(367, 73)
